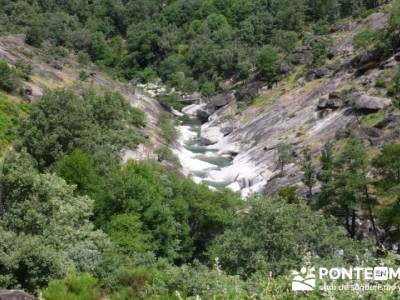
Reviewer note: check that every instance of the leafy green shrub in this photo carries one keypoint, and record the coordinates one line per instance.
(83, 75)
(266, 238)
(169, 101)
(24, 69)
(165, 153)
(319, 53)
(34, 36)
(11, 116)
(9, 79)
(180, 217)
(73, 287)
(267, 63)
(126, 231)
(167, 128)
(77, 168)
(63, 121)
(365, 38)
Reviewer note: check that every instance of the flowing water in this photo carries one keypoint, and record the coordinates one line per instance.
(197, 159)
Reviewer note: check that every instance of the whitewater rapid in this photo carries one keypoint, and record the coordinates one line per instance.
(209, 164)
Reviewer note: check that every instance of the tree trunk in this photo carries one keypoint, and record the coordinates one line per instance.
(371, 216)
(353, 223)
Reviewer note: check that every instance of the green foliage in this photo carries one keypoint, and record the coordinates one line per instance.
(319, 52)
(285, 156)
(365, 38)
(285, 40)
(267, 63)
(180, 217)
(394, 16)
(34, 36)
(62, 121)
(11, 116)
(126, 231)
(187, 43)
(77, 168)
(9, 79)
(309, 178)
(24, 69)
(73, 287)
(27, 262)
(267, 238)
(170, 101)
(47, 227)
(346, 185)
(165, 153)
(388, 167)
(167, 128)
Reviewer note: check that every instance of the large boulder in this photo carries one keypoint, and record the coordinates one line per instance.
(192, 110)
(221, 100)
(205, 112)
(14, 295)
(315, 74)
(248, 92)
(210, 135)
(389, 122)
(366, 103)
(326, 103)
(284, 68)
(334, 101)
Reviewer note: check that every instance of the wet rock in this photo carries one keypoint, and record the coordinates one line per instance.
(205, 112)
(315, 74)
(250, 91)
(301, 55)
(365, 103)
(284, 68)
(210, 135)
(397, 56)
(191, 110)
(14, 295)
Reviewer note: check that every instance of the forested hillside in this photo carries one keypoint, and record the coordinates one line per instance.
(192, 45)
(295, 121)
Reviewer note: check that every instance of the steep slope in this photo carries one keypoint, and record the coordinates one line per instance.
(49, 72)
(304, 110)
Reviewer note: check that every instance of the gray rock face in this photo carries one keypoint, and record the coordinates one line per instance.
(14, 295)
(315, 74)
(249, 92)
(211, 135)
(221, 100)
(366, 103)
(205, 112)
(284, 68)
(389, 122)
(331, 103)
(334, 101)
(301, 55)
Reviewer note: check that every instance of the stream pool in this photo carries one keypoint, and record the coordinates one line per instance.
(197, 159)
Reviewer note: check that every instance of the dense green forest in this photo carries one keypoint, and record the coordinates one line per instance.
(75, 223)
(191, 44)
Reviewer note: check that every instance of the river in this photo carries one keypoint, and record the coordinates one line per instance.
(197, 159)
